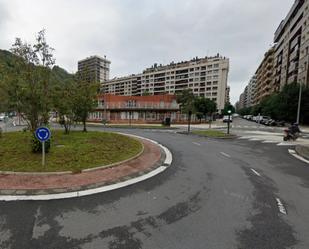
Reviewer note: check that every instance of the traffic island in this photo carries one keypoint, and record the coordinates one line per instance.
(153, 160)
(303, 151)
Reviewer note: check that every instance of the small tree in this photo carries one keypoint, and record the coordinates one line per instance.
(85, 99)
(29, 87)
(63, 99)
(186, 99)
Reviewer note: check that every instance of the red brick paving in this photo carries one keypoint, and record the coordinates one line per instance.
(150, 156)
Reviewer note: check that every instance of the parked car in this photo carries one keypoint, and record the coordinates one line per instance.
(2, 116)
(264, 119)
(270, 122)
(226, 119)
(249, 117)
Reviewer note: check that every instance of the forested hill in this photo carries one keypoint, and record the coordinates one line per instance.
(7, 60)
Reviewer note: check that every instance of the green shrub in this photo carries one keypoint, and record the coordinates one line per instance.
(36, 145)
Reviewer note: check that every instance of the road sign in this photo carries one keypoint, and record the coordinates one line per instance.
(42, 134)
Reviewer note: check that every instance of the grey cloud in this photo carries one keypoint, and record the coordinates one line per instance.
(135, 34)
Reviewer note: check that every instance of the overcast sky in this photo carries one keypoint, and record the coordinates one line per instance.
(134, 34)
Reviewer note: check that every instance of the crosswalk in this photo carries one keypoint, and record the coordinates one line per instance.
(272, 138)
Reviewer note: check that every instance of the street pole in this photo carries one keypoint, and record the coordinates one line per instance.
(43, 153)
(299, 103)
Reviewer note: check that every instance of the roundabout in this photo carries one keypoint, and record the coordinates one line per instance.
(150, 160)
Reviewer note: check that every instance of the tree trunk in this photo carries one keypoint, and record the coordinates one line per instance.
(84, 124)
(189, 121)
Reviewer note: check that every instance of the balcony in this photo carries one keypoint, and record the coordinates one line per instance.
(293, 67)
(294, 55)
(139, 106)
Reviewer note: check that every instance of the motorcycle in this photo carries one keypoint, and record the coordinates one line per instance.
(288, 135)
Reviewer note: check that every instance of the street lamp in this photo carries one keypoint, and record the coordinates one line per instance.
(299, 103)
(228, 121)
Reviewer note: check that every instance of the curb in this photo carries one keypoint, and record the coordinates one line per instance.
(44, 197)
(303, 151)
(299, 157)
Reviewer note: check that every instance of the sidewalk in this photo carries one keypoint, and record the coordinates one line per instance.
(42, 184)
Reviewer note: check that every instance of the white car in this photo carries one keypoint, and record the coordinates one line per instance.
(2, 116)
(226, 119)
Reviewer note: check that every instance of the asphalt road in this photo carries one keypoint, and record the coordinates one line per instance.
(217, 194)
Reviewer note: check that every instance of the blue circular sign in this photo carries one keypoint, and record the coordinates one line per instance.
(42, 133)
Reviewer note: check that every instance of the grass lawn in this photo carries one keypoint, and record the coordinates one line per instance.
(73, 152)
(211, 133)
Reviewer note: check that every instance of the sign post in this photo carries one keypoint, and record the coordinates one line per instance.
(43, 134)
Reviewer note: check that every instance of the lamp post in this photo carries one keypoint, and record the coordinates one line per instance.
(228, 121)
(299, 103)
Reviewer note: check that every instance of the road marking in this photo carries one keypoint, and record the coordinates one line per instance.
(244, 137)
(294, 154)
(285, 144)
(255, 172)
(224, 154)
(196, 143)
(254, 139)
(280, 206)
(269, 142)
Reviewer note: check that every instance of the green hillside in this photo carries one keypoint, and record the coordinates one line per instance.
(7, 60)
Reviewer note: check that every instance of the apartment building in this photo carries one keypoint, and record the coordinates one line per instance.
(291, 50)
(94, 68)
(251, 91)
(137, 109)
(227, 94)
(265, 76)
(207, 77)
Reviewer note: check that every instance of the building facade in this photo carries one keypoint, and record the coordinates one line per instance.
(206, 77)
(265, 77)
(251, 92)
(291, 50)
(227, 94)
(137, 109)
(94, 68)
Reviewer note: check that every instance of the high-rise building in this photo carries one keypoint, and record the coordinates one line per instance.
(206, 77)
(265, 76)
(251, 92)
(227, 94)
(94, 68)
(292, 47)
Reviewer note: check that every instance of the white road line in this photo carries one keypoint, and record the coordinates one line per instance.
(196, 143)
(224, 154)
(285, 144)
(280, 206)
(244, 137)
(254, 139)
(255, 172)
(294, 154)
(269, 142)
